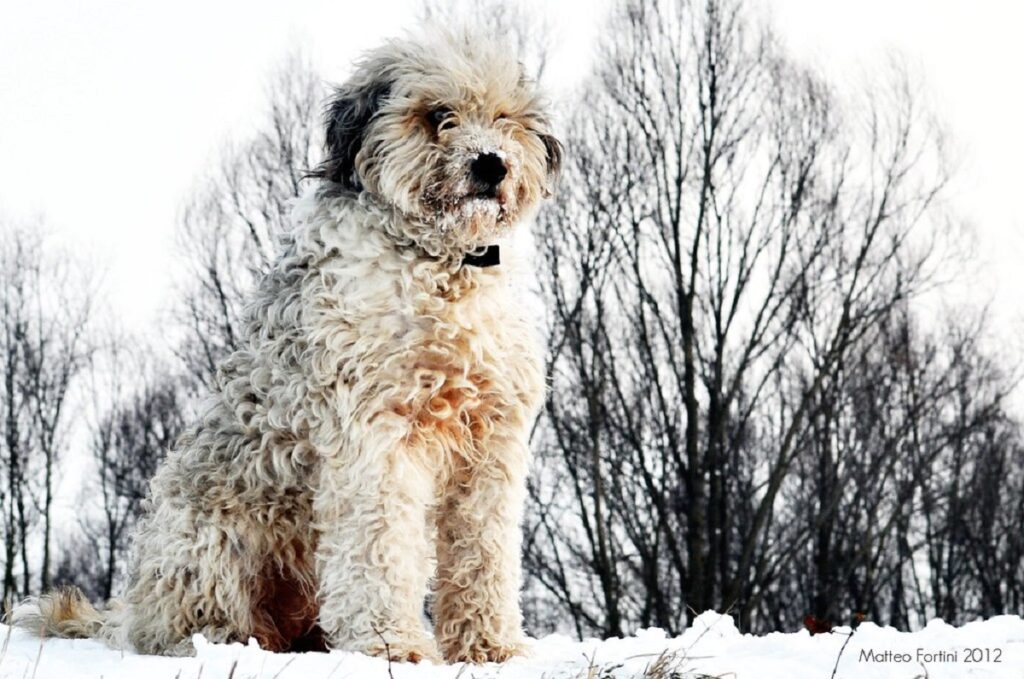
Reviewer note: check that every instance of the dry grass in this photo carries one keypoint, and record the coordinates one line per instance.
(666, 665)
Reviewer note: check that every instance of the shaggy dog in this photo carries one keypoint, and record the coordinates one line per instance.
(370, 435)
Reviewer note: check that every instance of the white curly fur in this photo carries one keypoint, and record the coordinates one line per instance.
(371, 433)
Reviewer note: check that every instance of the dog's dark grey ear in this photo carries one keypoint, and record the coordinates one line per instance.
(348, 113)
(553, 148)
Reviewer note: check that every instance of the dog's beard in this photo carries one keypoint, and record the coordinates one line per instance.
(471, 212)
(473, 221)
(480, 208)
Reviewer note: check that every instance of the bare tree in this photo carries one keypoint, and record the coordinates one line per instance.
(230, 226)
(46, 311)
(57, 349)
(19, 258)
(80, 563)
(141, 408)
(728, 237)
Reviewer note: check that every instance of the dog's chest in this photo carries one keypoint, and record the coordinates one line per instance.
(472, 364)
(453, 363)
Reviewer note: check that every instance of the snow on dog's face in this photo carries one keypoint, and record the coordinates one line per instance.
(450, 132)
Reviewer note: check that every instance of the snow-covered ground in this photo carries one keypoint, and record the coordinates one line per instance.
(711, 647)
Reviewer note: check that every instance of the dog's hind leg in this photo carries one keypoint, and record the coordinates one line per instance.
(373, 554)
(192, 575)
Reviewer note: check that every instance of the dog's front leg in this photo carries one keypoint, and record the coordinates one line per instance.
(476, 612)
(373, 554)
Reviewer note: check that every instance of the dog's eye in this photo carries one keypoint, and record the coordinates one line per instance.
(438, 116)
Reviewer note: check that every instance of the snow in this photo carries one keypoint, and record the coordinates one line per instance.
(712, 646)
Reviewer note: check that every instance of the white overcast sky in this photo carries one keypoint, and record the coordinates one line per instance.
(109, 110)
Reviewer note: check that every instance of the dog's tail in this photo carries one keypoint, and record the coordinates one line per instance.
(64, 612)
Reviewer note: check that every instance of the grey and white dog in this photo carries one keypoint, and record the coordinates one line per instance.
(370, 435)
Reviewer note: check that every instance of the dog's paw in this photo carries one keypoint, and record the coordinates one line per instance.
(482, 651)
(411, 652)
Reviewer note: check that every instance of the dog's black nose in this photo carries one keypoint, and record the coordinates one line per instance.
(489, 168)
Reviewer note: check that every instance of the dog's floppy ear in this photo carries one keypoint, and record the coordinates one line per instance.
(553, 148)
(553, 154)
(348, 113)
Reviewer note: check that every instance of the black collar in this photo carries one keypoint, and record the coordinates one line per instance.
(491, 256)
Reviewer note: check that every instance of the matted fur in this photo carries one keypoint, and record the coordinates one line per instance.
(370, 436)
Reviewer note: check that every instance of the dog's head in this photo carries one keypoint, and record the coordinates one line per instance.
(448, 131)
